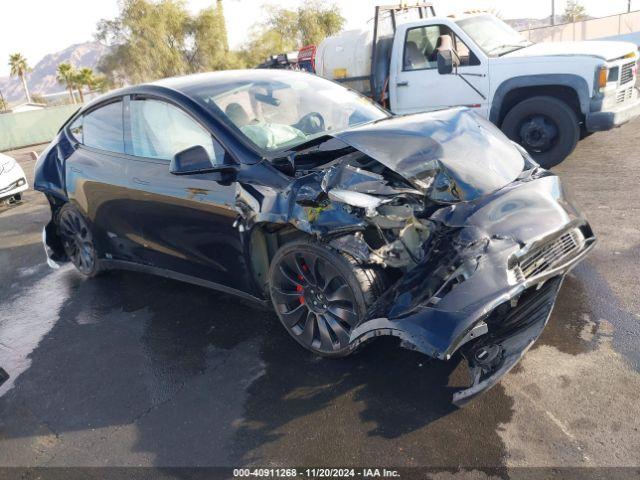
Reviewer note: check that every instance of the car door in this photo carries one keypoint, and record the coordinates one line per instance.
(98, 183)
(188, 222)
(418, 86)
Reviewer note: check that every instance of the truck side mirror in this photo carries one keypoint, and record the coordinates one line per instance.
(447, 60)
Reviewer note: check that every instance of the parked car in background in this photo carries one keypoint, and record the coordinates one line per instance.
(13, 181)
(543, 96)
(291, 190)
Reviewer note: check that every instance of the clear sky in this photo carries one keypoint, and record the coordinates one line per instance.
(38, 27)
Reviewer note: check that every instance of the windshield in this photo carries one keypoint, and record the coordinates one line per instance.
(280, 110)
(492, 35)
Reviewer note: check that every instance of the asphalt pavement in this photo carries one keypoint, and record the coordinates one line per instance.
(129, 369)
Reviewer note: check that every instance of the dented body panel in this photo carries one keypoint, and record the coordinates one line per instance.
(474, 237)
(452, 155)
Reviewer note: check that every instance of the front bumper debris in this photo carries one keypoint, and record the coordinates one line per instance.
(492, 356)
(493, 331)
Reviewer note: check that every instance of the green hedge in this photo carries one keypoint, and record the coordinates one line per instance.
(30, 128)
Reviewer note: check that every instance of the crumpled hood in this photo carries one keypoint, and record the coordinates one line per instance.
(450, 155)
(599, 49)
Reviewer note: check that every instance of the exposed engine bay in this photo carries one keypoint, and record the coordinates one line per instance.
(474, 251)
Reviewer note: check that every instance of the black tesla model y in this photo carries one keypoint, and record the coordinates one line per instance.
(289, 189)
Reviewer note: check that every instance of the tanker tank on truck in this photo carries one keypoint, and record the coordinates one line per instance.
(544, 96)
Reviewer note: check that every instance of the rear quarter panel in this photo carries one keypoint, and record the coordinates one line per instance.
(49, 174)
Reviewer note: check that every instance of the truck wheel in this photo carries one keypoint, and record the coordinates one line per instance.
(321, 295)
(545, 126)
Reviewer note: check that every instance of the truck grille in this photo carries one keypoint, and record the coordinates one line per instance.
(625, 94)
(626, 73)
(551, 254)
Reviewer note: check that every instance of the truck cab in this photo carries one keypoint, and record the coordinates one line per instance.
(543, 96)
(417, 85)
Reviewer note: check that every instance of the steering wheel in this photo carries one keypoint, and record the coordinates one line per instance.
(311, 123)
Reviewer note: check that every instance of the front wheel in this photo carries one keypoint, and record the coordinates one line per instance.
(77, 240)
(545, 126)
(321, 295)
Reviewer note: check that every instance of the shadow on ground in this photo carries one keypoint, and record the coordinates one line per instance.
(181, 375)
(131, 369)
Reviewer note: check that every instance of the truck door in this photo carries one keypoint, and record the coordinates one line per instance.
(416, 85)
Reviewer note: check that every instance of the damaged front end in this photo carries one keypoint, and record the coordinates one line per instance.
(475, 250)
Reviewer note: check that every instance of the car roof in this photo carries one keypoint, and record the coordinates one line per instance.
(188, 82)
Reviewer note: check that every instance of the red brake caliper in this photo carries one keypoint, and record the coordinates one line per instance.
(300, 288)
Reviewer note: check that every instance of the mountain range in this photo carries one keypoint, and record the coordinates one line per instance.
(42, 79)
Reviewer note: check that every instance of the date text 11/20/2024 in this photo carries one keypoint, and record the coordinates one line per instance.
(315, 472)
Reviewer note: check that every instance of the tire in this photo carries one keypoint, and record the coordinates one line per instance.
(320, 295)
(584, 134)
(545, 126)
(77, 240)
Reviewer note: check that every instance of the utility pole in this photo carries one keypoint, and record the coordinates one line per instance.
(628, 6)
(553, 12)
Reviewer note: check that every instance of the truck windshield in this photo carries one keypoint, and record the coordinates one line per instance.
(278, 110)
(492, 35)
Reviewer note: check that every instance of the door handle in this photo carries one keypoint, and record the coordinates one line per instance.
(75, 170)
(139, 181)
(402, 84)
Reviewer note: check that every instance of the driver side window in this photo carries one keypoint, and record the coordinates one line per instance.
(421, 48)
(160, 130)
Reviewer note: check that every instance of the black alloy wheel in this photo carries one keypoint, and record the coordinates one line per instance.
(318, 296)
(77, 240)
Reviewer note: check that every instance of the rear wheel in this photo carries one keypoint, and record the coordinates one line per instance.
(545, 126)
(77, 240)
(321, 295)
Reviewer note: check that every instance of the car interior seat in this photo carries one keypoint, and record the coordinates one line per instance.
(237, 114)
(413, 58)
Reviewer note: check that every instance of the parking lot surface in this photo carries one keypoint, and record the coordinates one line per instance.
(130, 369)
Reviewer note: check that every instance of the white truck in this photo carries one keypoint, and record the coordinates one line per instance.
(544, 96)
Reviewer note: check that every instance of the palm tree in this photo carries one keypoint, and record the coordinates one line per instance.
(19, 68)
(85, 78)
(100, 83)
(65, 75)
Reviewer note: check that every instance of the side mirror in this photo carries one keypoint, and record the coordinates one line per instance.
(447, 60)
(196, 160)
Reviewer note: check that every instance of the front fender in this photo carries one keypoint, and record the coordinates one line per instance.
(575, 82)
